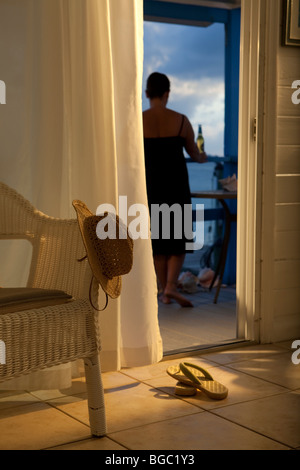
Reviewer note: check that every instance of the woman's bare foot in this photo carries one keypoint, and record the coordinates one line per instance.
(172, 293)
(164, 299)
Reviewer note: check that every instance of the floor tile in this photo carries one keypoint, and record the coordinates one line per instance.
(276, 417)
(134, 405)
(10, 393)
(285, 344)
(277, 368)
(241, 387)
(78, 387)
(116, 380)
(202, 431)
(238, 354)
(159, 369)
(15, 400)
(206, 323)
(38, 426)
(103, 443)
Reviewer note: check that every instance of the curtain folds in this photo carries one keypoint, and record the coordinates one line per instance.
(72, 129)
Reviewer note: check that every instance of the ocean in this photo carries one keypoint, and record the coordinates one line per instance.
(204, 177)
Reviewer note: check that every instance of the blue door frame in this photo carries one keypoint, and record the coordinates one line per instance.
(161, 11)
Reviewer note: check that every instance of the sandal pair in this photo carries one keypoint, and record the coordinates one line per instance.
(191, 378)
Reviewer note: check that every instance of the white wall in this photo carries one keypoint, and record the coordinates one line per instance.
(280, 175)
(287, 198)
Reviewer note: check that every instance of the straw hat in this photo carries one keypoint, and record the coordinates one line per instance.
(109, 257)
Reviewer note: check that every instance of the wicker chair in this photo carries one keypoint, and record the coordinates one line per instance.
(37, 335)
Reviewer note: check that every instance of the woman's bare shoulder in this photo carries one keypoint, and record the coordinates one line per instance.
(161, 111)
(162, 122)
(173, 112)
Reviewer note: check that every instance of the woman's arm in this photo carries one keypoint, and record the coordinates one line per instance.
(190, 144)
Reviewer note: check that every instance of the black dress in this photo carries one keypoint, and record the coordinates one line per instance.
(167, 183)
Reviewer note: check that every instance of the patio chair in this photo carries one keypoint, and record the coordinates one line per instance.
(51, 320)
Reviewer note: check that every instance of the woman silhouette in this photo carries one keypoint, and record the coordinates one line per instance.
(166, 134)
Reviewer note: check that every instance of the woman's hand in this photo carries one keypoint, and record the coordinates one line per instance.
(197, 156)
(190, 144)
(202, 157)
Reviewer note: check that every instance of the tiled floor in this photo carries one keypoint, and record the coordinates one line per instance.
(207, 324)
(261, 412)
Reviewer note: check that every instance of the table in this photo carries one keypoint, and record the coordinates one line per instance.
(220, 195)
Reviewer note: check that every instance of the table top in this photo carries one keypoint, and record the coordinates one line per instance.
(214, 194)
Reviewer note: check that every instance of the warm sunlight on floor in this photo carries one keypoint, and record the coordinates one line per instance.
(261, 411)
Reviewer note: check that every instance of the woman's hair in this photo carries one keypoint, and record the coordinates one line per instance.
(157, 85)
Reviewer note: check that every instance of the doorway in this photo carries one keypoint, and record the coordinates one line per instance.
(208, 324)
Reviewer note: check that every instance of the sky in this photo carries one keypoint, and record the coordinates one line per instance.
(193, 59)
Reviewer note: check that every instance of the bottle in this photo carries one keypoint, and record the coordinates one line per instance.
(200, 139)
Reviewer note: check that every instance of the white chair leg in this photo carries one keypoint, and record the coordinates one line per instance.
(95, 391)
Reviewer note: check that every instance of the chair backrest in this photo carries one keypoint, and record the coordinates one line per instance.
(57, 245)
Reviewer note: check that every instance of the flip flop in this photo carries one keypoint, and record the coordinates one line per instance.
(184, 386)
(177, 374)
(202, 380)
(185, 390)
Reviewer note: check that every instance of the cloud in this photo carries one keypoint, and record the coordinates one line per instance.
(202, 101)
(186, 50)
(193, 58)
(196, 98)
(205, 87)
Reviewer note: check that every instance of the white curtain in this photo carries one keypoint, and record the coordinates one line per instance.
(71, 128)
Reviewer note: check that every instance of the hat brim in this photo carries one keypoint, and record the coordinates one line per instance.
(112, 286)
